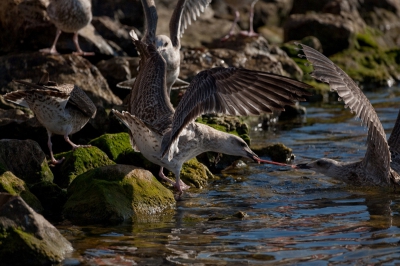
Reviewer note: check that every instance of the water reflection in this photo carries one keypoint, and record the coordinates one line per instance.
(293, 217)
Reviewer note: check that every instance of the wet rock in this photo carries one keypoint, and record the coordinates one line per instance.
(277, 152)
(77, 162)
(124, 11)
(113, 144)
(51, 196)
(11, 184)
(116, 193)
(25, 159)
(26, 238)
(71, 69)
(195, 174)
(240, 214)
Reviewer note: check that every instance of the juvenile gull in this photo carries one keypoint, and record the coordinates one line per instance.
(169, 47)
(69, 16)
(157, 129)
(375, 168)
(236, 5)
(62, 109)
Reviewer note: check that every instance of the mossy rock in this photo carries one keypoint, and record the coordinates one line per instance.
(113, 144)
(25, 159)
(116, 193)
(26, 238)
(194, 174)
(277, 152)
(11, 184)
(51, 196)
(78, 161)
(135, 158)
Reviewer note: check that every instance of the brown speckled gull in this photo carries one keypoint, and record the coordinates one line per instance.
(62, 109)
(236, 5)
(69, 16)
(157, 129)
(375, 169)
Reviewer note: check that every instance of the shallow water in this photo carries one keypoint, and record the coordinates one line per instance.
(265, 214)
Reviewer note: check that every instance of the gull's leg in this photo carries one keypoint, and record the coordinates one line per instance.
(78, 48)
(53, 49)
(50, 145)
(251, 32)
(74, 146)
(232, 30)
(179, 185)
(163, 177)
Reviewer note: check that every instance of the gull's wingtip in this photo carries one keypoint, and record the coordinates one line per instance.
(133, 35)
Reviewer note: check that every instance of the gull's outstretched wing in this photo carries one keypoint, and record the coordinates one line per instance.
(377, 157)
(184, 12)
(150, 21)
(233, 91)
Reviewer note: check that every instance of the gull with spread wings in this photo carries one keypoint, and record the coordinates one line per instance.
(381, 164)
(157, 129)
(169, 47)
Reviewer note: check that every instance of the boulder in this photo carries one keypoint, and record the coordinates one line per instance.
(26, 238)
(113, 144)
(51, 196)
(25, 159)
(116, 193)
(77, 162)
(11, 184)
(194, 174)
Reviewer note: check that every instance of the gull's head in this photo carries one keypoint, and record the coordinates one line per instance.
(163, 43)
(238, 147)
(326, 166)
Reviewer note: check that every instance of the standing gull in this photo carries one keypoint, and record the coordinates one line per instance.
(169, 47)
(236, 5)
(62, 109)
(69, 16)
(375, 168)
(157, 129)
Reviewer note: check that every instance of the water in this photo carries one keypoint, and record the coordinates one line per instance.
(266, 214)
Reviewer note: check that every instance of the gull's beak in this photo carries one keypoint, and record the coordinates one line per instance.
(257, 159)
(303, 166)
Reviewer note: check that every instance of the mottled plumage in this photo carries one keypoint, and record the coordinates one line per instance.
(375, 169)
(62, 109)
(156, 129)
(236, 5)
(69, 16)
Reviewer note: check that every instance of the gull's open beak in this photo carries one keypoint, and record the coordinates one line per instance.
(303, 166)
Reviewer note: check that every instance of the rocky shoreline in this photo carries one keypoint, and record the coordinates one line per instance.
(110, 182)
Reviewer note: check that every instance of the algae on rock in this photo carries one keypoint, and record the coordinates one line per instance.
(195, 174)
(78, 161)
(113, 144)
(11, 184)
(116, 193)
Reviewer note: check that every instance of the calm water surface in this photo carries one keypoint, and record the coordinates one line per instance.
(290, 216)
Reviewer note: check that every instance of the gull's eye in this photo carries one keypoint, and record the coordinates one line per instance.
(165, 44)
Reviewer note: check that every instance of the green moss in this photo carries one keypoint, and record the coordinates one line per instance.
(77, 162)
(195, 174)
(15, 186)
(367, 40)
(113, 144)
(114, 194)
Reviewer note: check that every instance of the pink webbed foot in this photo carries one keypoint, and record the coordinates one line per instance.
(53, 161)
(249, 33)
(52, 51)
(80, 146)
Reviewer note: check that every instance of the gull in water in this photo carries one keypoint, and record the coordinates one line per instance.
(169, 47)
(69, 16)
(381, 164)
(236, 5)
(157, 129)
(62, 109)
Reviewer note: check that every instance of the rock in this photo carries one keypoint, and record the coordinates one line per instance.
(51, 196)
(116, 193)
(13, 185)
(124, 11)
(195, 174)
(335, 32)
(277, 152)
(113, 144)
(77, 162)
(71, 69)
(26, 238)
(25, 159)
